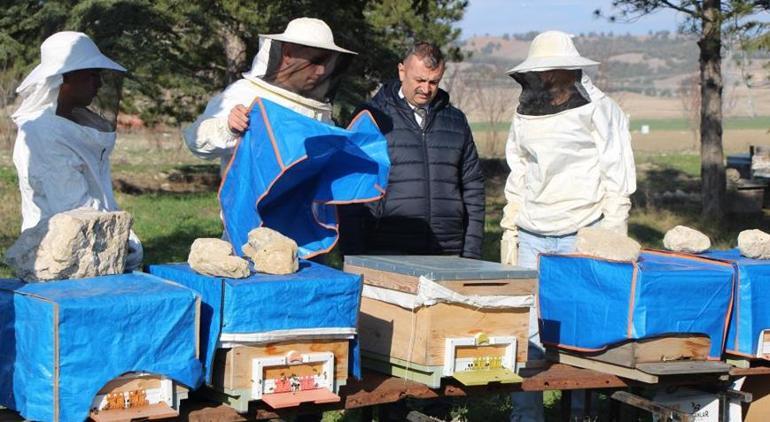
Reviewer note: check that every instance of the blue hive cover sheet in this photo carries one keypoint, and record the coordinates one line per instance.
(61, 341)
(314, 299)
(751, 308)
(289, 172)
(589, 304)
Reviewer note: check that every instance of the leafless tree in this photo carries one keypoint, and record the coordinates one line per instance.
(493, 98)
(689, 94)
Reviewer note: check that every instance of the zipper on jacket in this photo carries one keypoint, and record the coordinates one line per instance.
(426, 170)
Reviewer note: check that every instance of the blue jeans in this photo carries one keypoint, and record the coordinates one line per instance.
(528, 406)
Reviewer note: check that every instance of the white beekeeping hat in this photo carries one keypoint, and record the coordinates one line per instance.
(64, 52)
(552, 50)
(310, 32)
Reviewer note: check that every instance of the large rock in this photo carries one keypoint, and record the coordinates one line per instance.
(754, 244)
(686, 239)
(73, 244)
(215, 257)
(606, 244)
(271, 252)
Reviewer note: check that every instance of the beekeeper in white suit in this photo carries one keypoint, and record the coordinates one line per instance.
(569, 151)
(66, 132)
(298, 69)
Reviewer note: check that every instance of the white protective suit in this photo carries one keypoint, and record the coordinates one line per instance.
(63, 165)
(209, 136)
(568, 170)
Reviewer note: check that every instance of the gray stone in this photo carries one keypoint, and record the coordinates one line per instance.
(686, 239)
(754, 244)
(215, 257)
(606, 244)
(732, 176)
(271, 252)
(74, 244)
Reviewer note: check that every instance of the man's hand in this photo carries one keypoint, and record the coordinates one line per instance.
(238, 120)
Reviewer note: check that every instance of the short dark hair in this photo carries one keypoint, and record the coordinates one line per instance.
(429, 53)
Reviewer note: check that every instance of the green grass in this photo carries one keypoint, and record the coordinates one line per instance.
(167, 224)
(688, 164)
(760, 122)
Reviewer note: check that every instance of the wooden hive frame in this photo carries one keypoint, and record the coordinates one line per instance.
(233, 367)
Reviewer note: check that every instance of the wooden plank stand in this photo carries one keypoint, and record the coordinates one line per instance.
(137, 396)
(761, 358)
(283, 374)
(648, 359)
(476, 345)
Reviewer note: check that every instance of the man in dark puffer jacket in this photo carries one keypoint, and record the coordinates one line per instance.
(435, 198)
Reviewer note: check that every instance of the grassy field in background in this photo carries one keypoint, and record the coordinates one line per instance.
(730, 123)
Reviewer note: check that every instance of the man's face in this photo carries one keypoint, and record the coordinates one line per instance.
(419, 82)
(303, 68)
(558, 78)
(79, 87)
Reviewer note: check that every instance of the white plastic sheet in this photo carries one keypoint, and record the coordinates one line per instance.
(430, 293)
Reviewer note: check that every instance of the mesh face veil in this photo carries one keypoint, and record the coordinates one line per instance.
(544, 93)
(308, 71)
(102, 113)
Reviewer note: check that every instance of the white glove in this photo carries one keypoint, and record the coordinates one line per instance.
(135, 252)
(509, 247)
(616, 226)
(509, 244)
(615, 210)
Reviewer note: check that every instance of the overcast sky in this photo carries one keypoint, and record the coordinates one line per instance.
(497, 17)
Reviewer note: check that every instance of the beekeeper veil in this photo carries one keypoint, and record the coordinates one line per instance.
(303, 59)
(96, 82)
(552, 78)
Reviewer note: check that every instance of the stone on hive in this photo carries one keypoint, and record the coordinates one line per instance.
(74, 244)
(754, 244)
(271, 252)
(686, 239)
(606, 244)
(215, 257)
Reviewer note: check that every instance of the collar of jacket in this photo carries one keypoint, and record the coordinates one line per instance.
(291, 96)
(389, 94)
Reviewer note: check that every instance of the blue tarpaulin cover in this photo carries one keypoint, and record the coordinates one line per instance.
(93, 330)
(589, 304)
(751, 308)
(289, 172)
(314, 297)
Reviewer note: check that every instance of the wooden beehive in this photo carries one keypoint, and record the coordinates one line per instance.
(412, 343)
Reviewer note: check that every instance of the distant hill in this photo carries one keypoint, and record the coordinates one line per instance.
(661, 67)
(654, 64)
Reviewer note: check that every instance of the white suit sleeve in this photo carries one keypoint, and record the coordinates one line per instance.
(617, 164)
(135, 252)
(209, 136)
(514, 184)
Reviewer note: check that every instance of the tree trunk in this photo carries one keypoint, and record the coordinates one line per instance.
(235, 52)
(712, 156)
